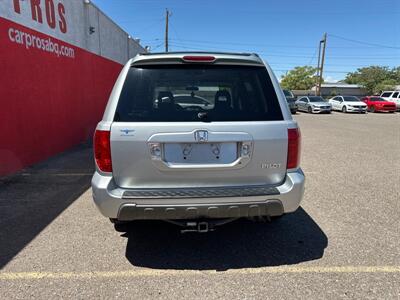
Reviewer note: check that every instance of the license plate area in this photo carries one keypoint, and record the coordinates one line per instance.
(200, 153)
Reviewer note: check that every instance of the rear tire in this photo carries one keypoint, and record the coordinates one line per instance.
(344, 109)
(120, 226)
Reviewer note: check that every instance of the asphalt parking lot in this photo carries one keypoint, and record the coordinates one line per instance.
(342, 243)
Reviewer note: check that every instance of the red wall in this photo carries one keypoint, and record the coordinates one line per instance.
(47, 103)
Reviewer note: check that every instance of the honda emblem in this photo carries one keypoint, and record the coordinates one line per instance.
(201, 135)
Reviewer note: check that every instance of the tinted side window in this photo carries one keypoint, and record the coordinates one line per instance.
(350, 98)
(395, 94)
(185, 93)
(387, 94)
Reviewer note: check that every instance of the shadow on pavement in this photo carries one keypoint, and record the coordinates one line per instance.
(33, 198)
(292, 239)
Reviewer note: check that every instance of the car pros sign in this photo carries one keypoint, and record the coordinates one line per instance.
(46, 16)
(55, 80)
(48, 11)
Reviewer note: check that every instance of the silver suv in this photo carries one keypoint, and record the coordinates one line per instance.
(197, 139)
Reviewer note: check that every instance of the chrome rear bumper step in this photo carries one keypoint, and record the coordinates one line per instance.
(270, 208)
(212, 192)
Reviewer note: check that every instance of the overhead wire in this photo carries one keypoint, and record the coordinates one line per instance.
(362, 42)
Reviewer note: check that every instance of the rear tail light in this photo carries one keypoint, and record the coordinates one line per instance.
(197, 58)
(294, 143)
(102, 150)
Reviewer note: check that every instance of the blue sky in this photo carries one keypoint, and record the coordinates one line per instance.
(284, 32)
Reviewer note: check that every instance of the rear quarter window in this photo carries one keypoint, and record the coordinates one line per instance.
(189, 93)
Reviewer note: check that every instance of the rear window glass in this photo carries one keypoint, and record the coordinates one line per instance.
(191, 93)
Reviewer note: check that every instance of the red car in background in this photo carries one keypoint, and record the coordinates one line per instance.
(376, 103)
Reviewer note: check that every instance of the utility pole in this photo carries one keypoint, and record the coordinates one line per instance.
(167, 15)
(318, 68)
(322, 64)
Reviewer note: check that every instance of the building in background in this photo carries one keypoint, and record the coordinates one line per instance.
(59, 60)
(339, 88)
(332, 89)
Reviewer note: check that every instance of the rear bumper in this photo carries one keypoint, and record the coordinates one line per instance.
(385, 109)
(356, 109)
(270, 208)
(193, 203)
(321, 110)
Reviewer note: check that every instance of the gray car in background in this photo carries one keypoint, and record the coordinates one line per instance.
(196, 139)
(313, 104)
(291, 101)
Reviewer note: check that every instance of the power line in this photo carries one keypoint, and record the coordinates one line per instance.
(361, 42)
(325, 71)
(202, 42)
(158, 46)
(331, 65)
(175, 31)
(240, 44)
(264, 45)
(205, 44)
(187, 46)
(151, 25)
(207, 48)
(312, 58)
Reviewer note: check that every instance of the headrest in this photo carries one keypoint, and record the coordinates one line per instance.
(222, 100)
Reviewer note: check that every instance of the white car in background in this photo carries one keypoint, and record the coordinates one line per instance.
(392, 96)
(348, 104)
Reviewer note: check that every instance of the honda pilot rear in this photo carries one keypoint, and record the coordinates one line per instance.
(196, 136)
